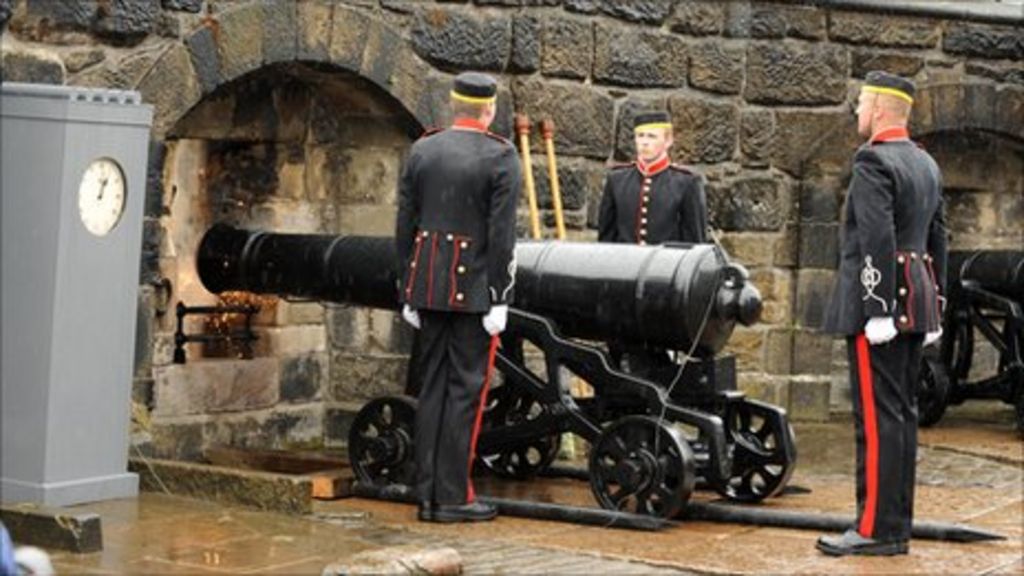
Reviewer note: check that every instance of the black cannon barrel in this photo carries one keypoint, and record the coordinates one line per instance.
(998, 271)
(662, 295)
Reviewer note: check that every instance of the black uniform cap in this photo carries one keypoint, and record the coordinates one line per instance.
(654, 119)
(474, 87)
(885, 83)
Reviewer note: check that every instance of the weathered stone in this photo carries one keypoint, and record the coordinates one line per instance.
(813, 290)
(778, 351)
(1010, 111)
(757, 129)
(776, 286)
(362, 376)
(82, 59)
(697, 18)
(567, 48)
(809, 399)
(68, 14)
(767, 22)
(338, 419)
(152, 237)
(705, 130)
(171, 87)
(812, 352)
(716, 68)
(280, 31)
(452, 39)
(807, 22)
(193, 6)
(33, 67)
(301, 378)
(820, 200)
(215, 386)
(526, 44)
(5, 12)
(984, 41)
(630, 58)
(364, 174)
(240, 40)
(176, 441)
(1013, 74)
(819, 245)
(202, 49)
(406, 559)
(52, 528)
(979, 107)
(902, 63)
(576, 178)
(756, 248)
(625, 146)
(642, 11)
(126, 21)
(314, 30)
(770, 389)
(813, 143)
(747, 345)
(791, 74)
(738, 17)
(884, 30)
(584, 116)
(756, 203)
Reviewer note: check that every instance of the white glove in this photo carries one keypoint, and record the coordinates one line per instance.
(495, 320)
(880, 329)
(411, 316)
(932, 337)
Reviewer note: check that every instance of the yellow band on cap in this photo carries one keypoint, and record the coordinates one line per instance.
(890, 92)
(652, 125)
(472, 99)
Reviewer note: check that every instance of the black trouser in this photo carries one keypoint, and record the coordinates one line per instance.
(883, 380)
(451, 358)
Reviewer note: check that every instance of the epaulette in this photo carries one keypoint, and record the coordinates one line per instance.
(430, 132)
(498, 137)
(680, 168)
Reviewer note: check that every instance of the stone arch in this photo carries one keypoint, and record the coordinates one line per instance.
(246, 38)
(969, 106)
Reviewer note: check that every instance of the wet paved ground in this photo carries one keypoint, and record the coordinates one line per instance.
(970, 471)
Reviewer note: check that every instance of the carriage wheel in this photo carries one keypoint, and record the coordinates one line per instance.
(380, 443)
(641, 465)
(761, 462)
(507, 406)
(932, 391)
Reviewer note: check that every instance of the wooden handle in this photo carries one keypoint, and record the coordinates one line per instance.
(547, 128)
(523, 130)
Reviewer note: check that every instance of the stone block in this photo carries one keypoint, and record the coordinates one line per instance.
(778, 351)
(404, 559)
(285, 216)
(526, 44)
(776, 286)
(1010, 111)
(819, 246)
(451, 39)
(697, 18)
(365, 175)
(338, 420)
(792, 74)
(716, 67)
(577, 178)
(367, 220)
(755, 248)
(364, 377)
(812, 352)
(813, 290)
(884, 30)
(81, 59)
(302, 377)
(1008, 73)
(52, 528)
(239, 40)
(750, 204)
(348, 328)
(171, 87)
(212, 386)
(126, 22)
(625, 146)
(176, 440)
(284, 427)
(313, 32)
(902, 63)
(747, 344)
(807, 22)
(984, 41)
(626, 57)
(705, 131)
(290, 340)
(567, 48)
(809, 399)
(770, 389)
(31, 66)
(813, 144)
(202, 50)
(820, 200)
(757, 130)
(584, 116)
(193, 6)
(281, 32)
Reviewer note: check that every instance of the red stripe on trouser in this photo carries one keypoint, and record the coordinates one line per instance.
(470, 493)
(867, 400)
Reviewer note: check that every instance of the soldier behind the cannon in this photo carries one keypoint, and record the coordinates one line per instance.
(887, 302)
(651, 201)
(455, 235)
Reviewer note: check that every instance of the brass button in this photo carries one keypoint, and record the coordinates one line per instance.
(913, 255)
(901, 259)
(903, 291)
(642, 243)
(646, 189)
(449, 237)
(425, 233)
(459, 296)
(463, 244)
(643, 231)
(646, 199)
(412, 264)
(461, 269)
(927, 257)
(643, 220)
(903, 320)
(643, 210)
(647, 180)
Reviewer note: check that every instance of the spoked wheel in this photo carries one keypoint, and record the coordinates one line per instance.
(508, 406)
(932, 391)
(380, 444)
(763, 452)
(643, 466)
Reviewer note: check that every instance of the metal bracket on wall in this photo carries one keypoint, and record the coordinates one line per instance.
(245, 336)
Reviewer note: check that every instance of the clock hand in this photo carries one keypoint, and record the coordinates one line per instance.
(103, 186)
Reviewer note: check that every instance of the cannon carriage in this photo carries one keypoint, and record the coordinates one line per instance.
(651, 440)
(986, 297)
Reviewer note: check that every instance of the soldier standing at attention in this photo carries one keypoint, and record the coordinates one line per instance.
(887, 302)
(651, 201)
(455, 235)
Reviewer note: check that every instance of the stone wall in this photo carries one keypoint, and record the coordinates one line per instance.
(294, 116)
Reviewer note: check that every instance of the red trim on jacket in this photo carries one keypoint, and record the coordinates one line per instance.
(938, 301)
(889, 134)
(430, 275)
(470, 492)
(469, 124)
(908, 306)
(866, 528)
(415, 265)
(655, 167)
(453, 284)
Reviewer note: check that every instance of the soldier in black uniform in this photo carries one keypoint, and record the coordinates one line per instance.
(455, 234)
(651, 201)
(887, 302)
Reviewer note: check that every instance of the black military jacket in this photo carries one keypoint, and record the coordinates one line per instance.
(652, 204)
(456, 225)
(893, 260)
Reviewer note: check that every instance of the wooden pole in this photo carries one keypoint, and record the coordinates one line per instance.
(547, 129)
(523, 130)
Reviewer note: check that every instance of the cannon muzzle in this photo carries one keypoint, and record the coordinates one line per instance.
(675, 296)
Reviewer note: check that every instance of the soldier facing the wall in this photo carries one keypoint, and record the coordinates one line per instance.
(651, 201)
(455, 235)
(887, 303)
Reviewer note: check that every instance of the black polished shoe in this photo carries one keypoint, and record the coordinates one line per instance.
(472, 512)
(851, 543)
(425, 513)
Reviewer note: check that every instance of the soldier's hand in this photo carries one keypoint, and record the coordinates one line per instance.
(933, 337)
(495, 320)
(880, 329)
(411, 316)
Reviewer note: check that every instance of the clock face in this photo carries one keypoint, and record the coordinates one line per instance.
(101, 196)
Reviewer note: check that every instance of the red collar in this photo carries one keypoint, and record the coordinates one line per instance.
(889, 134)
(654, 167)
(469, 124)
